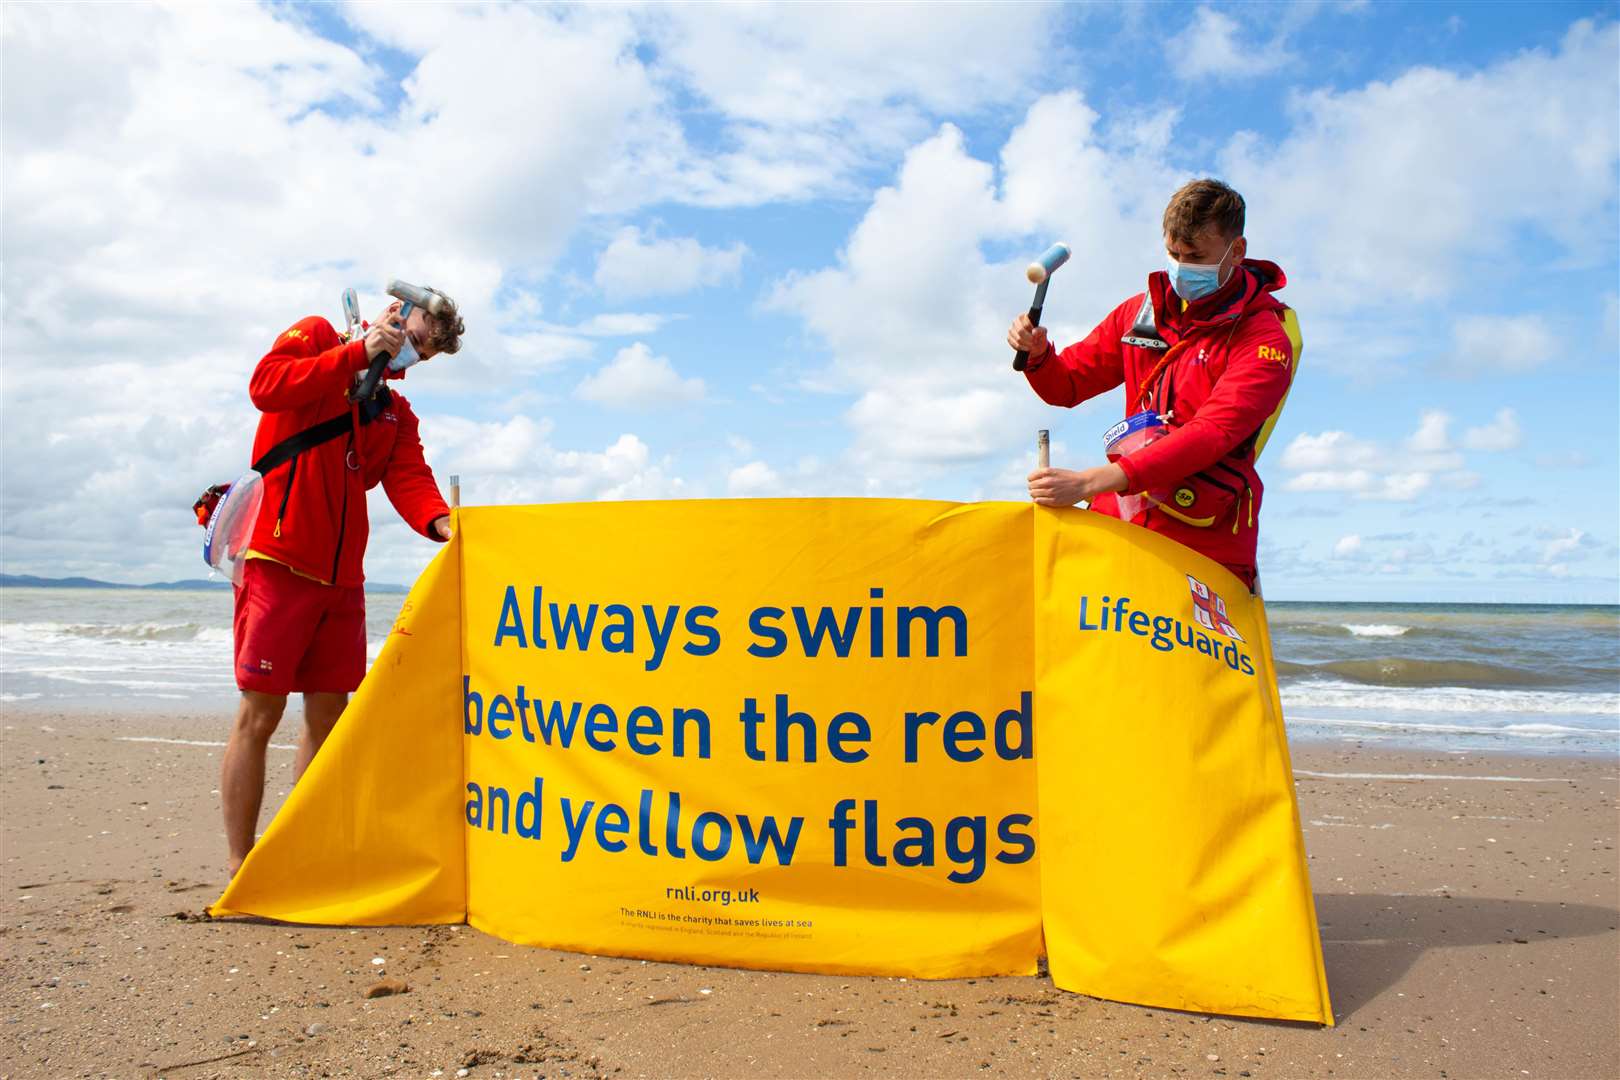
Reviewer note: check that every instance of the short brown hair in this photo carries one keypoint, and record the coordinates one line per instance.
(1198, 204)
(446, 327)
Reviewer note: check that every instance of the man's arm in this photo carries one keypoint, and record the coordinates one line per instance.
(1091, 366)
(307, 363)
(409, 482)
(310, 362)
(1258, 372)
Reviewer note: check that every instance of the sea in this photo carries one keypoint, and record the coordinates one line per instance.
(1523, 678)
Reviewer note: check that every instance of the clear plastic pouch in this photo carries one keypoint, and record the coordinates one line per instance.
(1200, 500)
(230, 527)
(1126, 437)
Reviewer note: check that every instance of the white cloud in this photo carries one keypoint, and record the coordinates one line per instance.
(753, 479)
(1389, 487)
(636, 379)
(1433, 434)
(552, 345)
(1502, 433)
(1210, 47)
(907, 318)
(1426, 460)
(621, 324)
(104, 489)
(808, 476)
(914, 314)
(1428, 449)
(925, 422)
(1563, 545)
(1348, 547)
(1401, 487)
(801, 104)
(515, 461)
(1065, 175)
(1501, 344)
(1336, 461)
(1330, 449)
(1436, 172)
(542, 351)
(1351, 480)
(802, 67)
(636, 264)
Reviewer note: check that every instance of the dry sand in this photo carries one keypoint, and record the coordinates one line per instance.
(1469, 927)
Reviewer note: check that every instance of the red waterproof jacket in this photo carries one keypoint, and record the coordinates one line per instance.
(314, 513)
(1222, 377)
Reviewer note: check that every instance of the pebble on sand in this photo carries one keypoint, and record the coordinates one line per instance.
(387, 988)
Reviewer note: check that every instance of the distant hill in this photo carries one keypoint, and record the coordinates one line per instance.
(28, 581)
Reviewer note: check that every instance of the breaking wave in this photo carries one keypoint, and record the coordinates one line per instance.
(123, 633)
(1413, 672)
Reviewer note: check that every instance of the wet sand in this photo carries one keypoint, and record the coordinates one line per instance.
(1469, 927)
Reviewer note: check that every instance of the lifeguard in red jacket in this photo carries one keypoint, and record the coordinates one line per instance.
(1206, 355)
(300, 623)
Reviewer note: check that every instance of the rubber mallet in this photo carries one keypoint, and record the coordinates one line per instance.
(1040, 272)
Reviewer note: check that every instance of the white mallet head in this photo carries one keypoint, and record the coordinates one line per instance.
(429, 300)
(1044, 267)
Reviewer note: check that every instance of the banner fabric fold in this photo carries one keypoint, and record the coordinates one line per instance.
(371, 835)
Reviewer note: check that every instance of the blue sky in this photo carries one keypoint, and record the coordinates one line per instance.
(747, 251)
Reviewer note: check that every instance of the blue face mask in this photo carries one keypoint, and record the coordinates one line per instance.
(406, 356)
(1193, 281)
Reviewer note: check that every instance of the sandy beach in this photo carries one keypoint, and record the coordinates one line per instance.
(1468, 905)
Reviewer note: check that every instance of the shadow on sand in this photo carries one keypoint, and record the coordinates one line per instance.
(1369, 941)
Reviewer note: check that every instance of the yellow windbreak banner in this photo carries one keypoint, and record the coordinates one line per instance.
(788, 734)
(372, 833)
(1173, 868)
(802, 734)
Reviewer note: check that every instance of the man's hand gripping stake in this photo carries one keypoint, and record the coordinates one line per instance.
(1040, 272)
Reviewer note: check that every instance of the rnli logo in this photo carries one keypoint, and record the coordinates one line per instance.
(1210, 610)
(1185, 497)
(1268, 353)
(297, 334)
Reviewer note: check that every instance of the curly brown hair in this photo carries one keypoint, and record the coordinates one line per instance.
(1198, 204)
(446, 327)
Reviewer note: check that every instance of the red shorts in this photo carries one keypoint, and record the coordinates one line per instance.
(295, 635)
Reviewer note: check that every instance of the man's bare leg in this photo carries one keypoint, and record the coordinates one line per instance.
(241, 774)
(321, 712)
